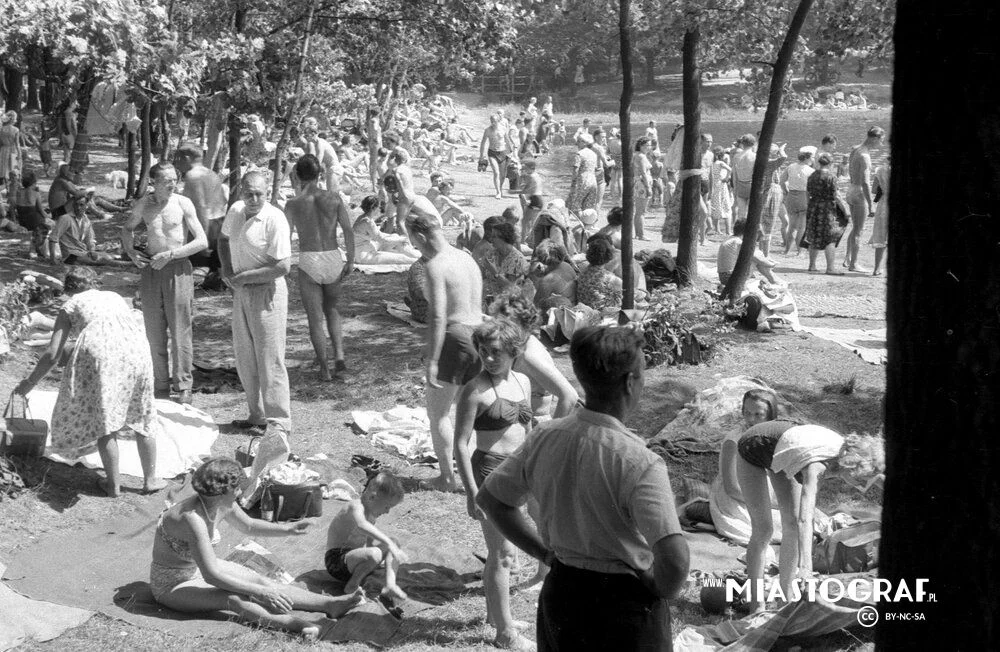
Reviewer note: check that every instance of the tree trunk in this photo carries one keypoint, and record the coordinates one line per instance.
(146, 143)
(690, 188)
(942, 404)
(130, 161)
(81, 150)
(164, 132)
(48, 97)
(234, 156)
(758, 183)
(279, 151)
(650, 56)
(624, 122)
(33, 104)
(13, 80)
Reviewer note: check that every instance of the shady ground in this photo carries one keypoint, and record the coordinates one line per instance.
(829, 384)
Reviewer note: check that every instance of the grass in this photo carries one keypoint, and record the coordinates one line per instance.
(384, 357)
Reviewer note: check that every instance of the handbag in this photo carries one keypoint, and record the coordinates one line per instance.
(245, 454)
(22, 436)
(296, 501)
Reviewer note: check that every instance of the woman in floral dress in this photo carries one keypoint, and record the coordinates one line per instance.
(505, 265)
(596, 286)
(107, 386)
(823, 231)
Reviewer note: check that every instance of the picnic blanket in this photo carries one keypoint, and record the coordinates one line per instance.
(759, 633)
(402, 429)
(105, 568)
(186, 437)
(714, 413)
(23, 619)
(868, 344)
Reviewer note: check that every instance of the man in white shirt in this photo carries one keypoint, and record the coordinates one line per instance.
(794, 181)
(255, 249)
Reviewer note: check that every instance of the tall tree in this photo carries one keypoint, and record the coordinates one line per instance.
(757, 185)
(941, 506)
(687, 241)
(625, 125)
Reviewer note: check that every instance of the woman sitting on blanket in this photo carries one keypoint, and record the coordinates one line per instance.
(372, 247)
(725, 508)
(793, 458)
(554, 276)
(186, 575)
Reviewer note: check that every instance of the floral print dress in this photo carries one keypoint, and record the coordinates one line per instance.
(583, 190)
(822, 228)
(107, 385)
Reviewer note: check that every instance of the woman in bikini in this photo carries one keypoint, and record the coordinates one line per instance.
(187, 576)
(497, 405)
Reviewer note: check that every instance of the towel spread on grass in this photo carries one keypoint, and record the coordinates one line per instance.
(402, 429)
(23, 619)
(185, 438)
(105, 568)
(383, 269)
(869, 344)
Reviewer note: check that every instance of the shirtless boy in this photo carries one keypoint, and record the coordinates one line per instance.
(167, 285)
(315, 214)
(454, 291)
(859, 196)
(494, 148)
(405, 194)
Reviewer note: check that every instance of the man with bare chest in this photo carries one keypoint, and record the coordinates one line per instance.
(454, 288)
(315, 214)
(173, 233)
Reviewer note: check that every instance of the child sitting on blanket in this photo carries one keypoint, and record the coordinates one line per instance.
(451, 212)
(355, 547)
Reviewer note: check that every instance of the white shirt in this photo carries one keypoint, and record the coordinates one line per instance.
(798, 175)
(259, 241)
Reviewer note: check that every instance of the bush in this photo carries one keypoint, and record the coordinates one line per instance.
(681, 326)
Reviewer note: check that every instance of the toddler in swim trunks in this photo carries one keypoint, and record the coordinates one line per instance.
(355, 547)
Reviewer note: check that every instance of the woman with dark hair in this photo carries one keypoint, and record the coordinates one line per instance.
(186, 575)
(372, 247)
(596, 286)
(107, 386)
(824, 226)
(613, 230)
(506, 266)
(726, 508)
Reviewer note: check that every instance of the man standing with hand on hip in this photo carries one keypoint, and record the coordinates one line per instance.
(608, 526)
(167, 286)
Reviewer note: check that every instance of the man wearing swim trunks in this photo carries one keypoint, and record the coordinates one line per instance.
(204, 188)
(454, 291)
(495, 147)
(859, 195)
(167, 280)
(256, 252)
(398, 166)
(315, 214)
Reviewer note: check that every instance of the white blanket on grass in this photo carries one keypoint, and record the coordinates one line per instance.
(185, 438)
(869, 344)
(383, 269)
(402, 429)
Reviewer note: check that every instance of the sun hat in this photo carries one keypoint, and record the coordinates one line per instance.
(808, 149)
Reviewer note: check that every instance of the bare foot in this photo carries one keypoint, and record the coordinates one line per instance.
(310, 633)
(104, 486)
(395, 593)
(340, 605)
(153, 485)
(514, 642)
(324, 373)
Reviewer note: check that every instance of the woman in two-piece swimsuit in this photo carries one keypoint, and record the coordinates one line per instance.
(186, 575)
(497, 405)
